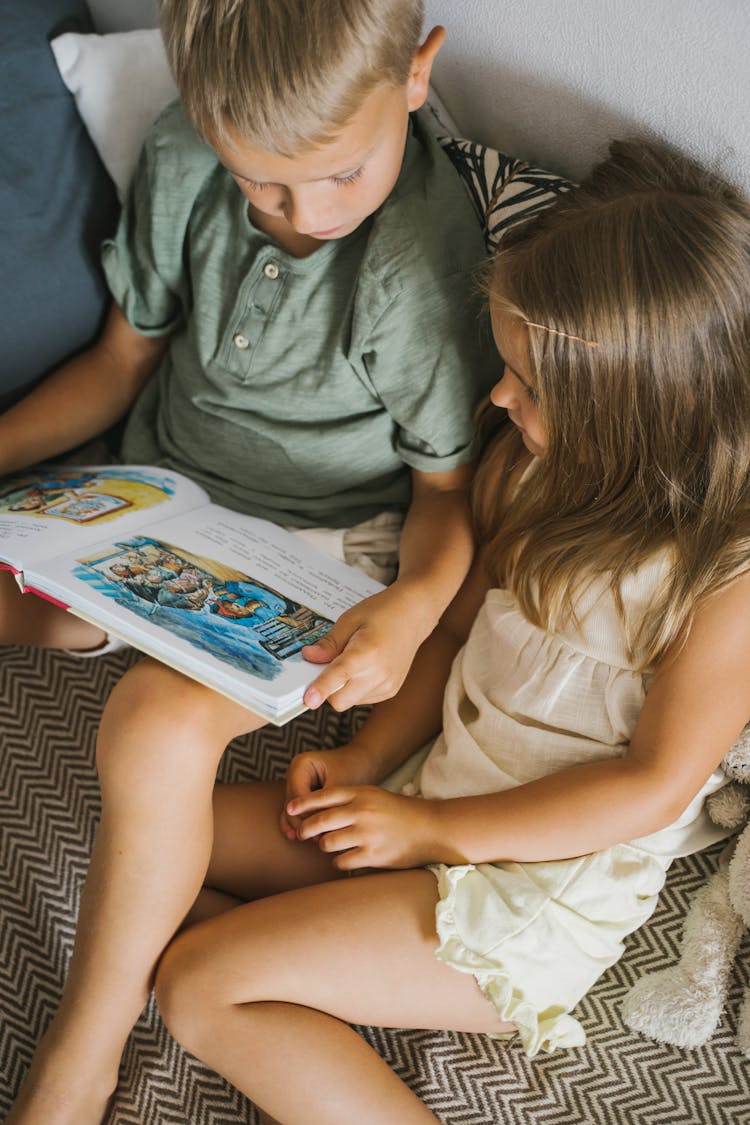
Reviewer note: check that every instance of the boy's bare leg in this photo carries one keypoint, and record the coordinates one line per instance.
(160, 740)
(26, 619)
(265, 994)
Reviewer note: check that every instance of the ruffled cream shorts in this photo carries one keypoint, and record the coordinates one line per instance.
(538, 935)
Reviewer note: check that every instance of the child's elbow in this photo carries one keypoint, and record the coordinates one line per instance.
(661, 802)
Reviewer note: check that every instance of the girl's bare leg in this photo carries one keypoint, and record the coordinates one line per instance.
(26, 619)
(264, 993)
(160, 740)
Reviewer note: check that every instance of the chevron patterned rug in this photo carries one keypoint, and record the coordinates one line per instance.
(49, 710)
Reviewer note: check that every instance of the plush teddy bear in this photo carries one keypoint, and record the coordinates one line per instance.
(682, 1004)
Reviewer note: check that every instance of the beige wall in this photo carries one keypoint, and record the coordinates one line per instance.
(555, 79)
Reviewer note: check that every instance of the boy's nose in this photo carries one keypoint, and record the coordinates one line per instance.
(306, 211)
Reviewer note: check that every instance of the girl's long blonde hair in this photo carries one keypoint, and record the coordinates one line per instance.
(636, 291)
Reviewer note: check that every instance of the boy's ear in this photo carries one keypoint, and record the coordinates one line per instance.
(419, 79)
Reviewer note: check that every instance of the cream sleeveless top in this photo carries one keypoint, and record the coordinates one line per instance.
(522, 703)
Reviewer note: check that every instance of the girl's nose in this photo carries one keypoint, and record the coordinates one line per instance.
(502, 394)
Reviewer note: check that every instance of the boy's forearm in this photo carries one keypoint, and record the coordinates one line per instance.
(398, 726)
(80, 400)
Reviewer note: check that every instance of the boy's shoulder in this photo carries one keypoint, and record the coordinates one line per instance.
(175, 157)
(427, 228)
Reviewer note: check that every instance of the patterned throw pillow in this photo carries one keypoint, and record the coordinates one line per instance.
(504, 191)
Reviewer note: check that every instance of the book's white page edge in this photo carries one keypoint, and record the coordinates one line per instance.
(238, 662)
(275, 717)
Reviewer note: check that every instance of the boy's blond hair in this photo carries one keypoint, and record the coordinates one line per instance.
(285, 74)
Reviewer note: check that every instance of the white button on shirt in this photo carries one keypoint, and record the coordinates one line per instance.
(240, 341)
(271, 270)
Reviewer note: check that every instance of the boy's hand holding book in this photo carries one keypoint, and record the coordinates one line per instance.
(369, 650)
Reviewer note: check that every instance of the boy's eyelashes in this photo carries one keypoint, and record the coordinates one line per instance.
(339, 181)
(252, 184)
(349, 178)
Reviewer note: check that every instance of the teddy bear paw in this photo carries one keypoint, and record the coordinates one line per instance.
(667, 1006)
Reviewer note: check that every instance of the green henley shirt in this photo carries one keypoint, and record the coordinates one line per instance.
(301, 389)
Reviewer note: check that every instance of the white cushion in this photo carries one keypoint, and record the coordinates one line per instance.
(120, 83)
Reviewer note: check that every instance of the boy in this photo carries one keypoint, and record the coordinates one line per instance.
(306, 349)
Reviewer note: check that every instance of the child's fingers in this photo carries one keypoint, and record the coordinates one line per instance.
(321, 799)
(322, 689)
(323, 651)
(335, 678)
(336, 686)
(344, 840)
(324, 826)
(306, 773)
(288, 830)
(359, 675)
(334, 642)
(353, 859)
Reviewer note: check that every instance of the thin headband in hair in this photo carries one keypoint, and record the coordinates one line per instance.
(558, 332)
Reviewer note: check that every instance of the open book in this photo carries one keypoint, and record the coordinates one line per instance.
(225, 598)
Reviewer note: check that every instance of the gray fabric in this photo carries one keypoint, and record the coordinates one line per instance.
(56, 200)
(49, 712)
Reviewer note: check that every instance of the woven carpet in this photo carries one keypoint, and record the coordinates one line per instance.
(49, 710)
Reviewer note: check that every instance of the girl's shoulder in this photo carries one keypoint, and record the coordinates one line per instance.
(699, 698)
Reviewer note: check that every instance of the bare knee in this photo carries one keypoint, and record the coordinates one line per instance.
(155, 711)
(29, 620)
(11, 608)
(187, 992)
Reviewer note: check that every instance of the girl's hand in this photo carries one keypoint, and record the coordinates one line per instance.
(315, 770)
(370, 649)
(368, 826)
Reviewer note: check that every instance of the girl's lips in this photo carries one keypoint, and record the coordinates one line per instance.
(517, 424)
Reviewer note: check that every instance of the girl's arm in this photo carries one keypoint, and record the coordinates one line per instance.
(371, 647)
(698, 703)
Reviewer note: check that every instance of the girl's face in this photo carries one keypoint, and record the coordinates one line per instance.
(515, 391)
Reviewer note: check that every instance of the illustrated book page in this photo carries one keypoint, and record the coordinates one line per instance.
(53, 509)
(228, 599)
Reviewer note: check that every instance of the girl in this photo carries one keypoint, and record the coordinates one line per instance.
(584, 718)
